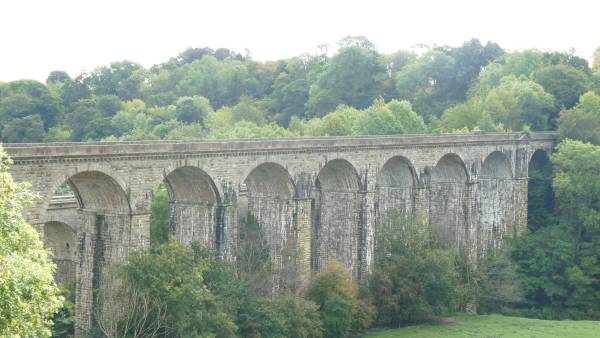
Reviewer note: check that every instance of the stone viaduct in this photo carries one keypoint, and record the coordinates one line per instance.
(320, 196)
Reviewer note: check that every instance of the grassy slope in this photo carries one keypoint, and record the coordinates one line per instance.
(497, 326)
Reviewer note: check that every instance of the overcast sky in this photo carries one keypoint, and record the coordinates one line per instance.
(37, 37)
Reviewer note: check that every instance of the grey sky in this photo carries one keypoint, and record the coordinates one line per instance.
(37, 37)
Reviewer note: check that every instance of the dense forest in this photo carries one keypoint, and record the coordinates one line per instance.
(552, 271)
(218, 93)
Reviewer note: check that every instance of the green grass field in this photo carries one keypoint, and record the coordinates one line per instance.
(496, 326)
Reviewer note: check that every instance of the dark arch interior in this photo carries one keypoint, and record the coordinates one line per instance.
(540, 196)
(97, 191)
(191, 185)
(450, 168)
(496, 165)
(398, 173)
(61, 239)
(270, 179)
(338, 175)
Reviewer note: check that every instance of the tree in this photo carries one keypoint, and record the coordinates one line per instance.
(28, 295)
(565, 83)
(22, 98)
(58, 76)
(412, 278)
(354, 77)
(194, 109)
(377, 120)
(516, 102)
(442, 77)
(247, 110)
(583, 121)
(172, 275)
(337, 297)
(26, 129)
(560, 263)
(123, 79)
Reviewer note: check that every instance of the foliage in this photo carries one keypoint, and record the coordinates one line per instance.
(160, 217)
(28, 296)
(560, 263)
(583, 121)
(354, 77)
(499, 286)
(64, 319)
(337, 297)
(413, 278)
(173, 275)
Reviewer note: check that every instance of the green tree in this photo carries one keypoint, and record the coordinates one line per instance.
(583, 121)
(28, 296)
(26, 129)
(194, 109)
(378, 119)
(173, 275)
(412, 278)
(160, 218)
(22, 98)
(248, 110)
(354, 77)
(123, 79)
(337, 297)
(565, 83)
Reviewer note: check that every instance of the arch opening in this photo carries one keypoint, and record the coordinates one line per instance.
(99, 192)
(396, 182)
(540, 195)
(337, 216)
(497, 215)
(89, 229)
(448, 201)
(61, 239)
(496, 166)
(270, 180)
(186, 205)
(450, 169)
(267, 234)
(338, 175)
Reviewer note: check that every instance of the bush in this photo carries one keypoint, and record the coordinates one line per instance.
(413, 279)
(337, 297)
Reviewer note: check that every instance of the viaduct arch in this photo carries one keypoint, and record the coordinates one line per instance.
(321, 197)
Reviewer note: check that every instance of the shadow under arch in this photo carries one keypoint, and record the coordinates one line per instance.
(61, 240)
(194, 202)
(497, 214)
(496, 165)
(540, 195)
(448, 198)
(337, 215)
(99, 192)
(396, 183)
